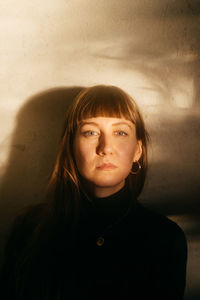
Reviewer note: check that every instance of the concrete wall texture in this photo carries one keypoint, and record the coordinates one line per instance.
(51, 49)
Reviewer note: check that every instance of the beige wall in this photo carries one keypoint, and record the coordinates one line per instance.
(50, 49)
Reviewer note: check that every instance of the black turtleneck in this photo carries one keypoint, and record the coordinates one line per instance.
(114, 205)
(104, 213)
(143, 255)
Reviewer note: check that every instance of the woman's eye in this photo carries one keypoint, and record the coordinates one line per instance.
(90, 133)
(121, 133)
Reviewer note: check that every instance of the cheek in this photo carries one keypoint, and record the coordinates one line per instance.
(83, 154)
(126, 152)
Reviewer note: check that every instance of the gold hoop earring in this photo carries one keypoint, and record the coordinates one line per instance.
(138, 168)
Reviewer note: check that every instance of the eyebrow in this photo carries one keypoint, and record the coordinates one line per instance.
(96, 124)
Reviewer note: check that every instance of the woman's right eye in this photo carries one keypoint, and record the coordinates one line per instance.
(90, 133)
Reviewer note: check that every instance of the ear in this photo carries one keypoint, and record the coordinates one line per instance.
(138, 151)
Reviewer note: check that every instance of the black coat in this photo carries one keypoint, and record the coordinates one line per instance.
(143, 255)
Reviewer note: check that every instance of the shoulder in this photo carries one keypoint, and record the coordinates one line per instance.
(158, 228)
(20, 234)
(23, 227)
(154, 218)
(28, 217)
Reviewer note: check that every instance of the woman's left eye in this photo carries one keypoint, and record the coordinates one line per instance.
(121, 133)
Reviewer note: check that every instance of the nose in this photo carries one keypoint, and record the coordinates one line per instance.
(104, 146)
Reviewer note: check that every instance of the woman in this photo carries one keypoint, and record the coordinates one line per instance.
(92, 238)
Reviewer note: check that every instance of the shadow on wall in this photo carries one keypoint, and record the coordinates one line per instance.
(172, 184)
(33, 150)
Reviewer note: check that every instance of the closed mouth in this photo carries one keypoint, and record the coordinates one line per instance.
(106, 166)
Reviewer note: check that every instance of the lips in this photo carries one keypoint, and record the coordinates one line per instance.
(106, 166)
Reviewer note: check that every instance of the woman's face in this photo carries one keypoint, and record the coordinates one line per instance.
(105, 149)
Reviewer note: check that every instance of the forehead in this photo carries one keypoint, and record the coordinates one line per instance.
(98, 121)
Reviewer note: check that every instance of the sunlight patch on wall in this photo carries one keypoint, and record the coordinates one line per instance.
(183, 92)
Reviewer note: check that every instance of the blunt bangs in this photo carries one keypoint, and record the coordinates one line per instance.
(105, 101)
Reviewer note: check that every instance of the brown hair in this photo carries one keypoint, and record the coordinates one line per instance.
(100, 100)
